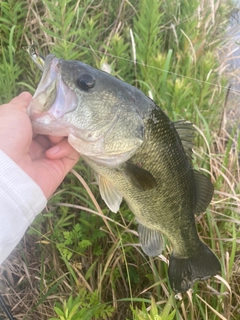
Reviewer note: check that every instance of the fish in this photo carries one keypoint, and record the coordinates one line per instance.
(137, 153)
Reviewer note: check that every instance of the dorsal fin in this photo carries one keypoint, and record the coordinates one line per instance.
(204, 187)
(186, 132)
(204, 191)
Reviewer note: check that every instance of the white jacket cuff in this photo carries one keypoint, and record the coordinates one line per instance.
(21, 199)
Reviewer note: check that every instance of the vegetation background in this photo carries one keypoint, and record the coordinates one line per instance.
(79, 260)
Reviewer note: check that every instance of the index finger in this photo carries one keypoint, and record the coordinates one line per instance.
(55, 139)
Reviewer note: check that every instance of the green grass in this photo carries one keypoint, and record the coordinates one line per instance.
(81, 261)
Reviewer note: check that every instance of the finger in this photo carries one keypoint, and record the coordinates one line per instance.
(61, 150)
(22, 100)
(70, 161)
(39, 146)
(43, 141)
(55, 139)
(36, 151)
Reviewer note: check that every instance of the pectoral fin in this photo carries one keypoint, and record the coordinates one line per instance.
(151, 240)
(140, 178)
(109, 194)
(204, 192)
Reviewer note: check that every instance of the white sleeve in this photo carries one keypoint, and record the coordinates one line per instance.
(21, 199)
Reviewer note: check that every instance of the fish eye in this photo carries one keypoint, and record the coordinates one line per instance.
(86, 81)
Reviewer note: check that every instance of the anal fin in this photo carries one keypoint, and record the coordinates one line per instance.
(151, 240)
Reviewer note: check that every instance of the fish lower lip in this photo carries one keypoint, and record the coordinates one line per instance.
(47, 124)
(45, 118)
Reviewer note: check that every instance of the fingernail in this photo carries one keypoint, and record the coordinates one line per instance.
(25, 94)
(54, 150)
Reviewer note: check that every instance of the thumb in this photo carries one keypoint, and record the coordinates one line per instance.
(21, 101)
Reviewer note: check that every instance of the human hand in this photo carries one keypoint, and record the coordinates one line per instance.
(45, 159)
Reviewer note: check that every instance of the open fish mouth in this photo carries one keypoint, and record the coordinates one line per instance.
(52, 100)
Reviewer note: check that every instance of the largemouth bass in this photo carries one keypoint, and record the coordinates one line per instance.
(137, 153)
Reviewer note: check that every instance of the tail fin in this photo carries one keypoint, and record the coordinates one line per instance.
(183, 272)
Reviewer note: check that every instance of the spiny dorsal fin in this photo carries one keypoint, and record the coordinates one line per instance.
(204, 191)
(109, 194)
(152, 241)
(140, 178)
(186, 131)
